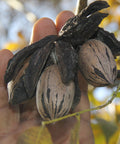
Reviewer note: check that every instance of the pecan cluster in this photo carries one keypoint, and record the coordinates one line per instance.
(48, 68)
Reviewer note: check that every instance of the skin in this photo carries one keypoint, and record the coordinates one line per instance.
(15, 119)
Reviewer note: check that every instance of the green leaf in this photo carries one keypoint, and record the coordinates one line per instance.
(35, 135)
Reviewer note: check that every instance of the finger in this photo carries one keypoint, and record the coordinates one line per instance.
(61, 131)
(85, 132)
(9, 117)
(5, 55)
(84, 101)
(62, 18)
(42, 28)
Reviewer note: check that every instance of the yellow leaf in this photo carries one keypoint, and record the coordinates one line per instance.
(108, 128)
(35, 135)
(12, 46)
(118, 62)
(105, 22)
(117, 109)
(98, 134)
(118, 142)
(114, 138)
(75, 132)
(117, 112)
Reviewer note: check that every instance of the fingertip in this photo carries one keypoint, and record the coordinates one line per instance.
(42, 28)
(5, 56)
(62, 18)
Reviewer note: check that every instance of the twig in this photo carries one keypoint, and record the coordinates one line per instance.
(81, 4)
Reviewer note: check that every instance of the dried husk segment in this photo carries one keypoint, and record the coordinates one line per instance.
(16, 94)
(53, 98)
(97, 63)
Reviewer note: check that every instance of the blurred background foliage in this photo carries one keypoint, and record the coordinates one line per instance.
(16, 21)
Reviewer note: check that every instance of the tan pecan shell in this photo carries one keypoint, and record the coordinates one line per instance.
(97, 63)
(54, 99)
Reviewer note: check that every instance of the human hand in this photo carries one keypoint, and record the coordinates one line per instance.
(16, 119)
